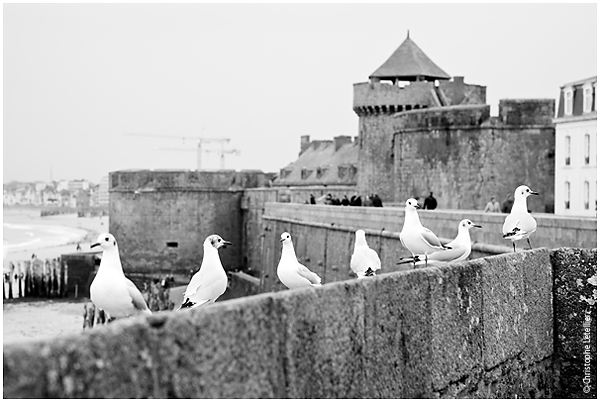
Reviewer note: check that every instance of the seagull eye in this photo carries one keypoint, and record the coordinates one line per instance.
(106, 239)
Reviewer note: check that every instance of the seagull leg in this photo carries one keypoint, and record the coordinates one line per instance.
(514, 247)
(528, 242)
(425, 260)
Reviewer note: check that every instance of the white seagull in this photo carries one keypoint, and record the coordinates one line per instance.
(459, 251)
(210, 281)
(414, 236)
(110, 290)
(290, 272)
(364, 261)
(519, 224)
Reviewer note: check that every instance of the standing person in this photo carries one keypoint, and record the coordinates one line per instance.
(377, 201)
(345, 201)
(492, 206)
(507, 204)
(312, 199)
(430, 202)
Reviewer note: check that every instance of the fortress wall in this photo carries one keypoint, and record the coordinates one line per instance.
(465, 159)
(479, 329)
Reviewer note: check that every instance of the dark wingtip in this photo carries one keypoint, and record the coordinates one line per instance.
(186, 304)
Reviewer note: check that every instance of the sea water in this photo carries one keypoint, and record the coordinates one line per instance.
(27, 232)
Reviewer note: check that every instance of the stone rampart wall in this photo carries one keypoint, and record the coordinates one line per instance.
(480, 329)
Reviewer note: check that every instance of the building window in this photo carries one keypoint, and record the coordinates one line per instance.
(586, 195)
(568, 101)
(586, 149)
(567, 195)
(567, 150)
(305, 173)
(587, 98)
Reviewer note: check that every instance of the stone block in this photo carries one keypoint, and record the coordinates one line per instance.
(457, 327)
(397, 362)
(574, 298)
(503, 308)
(324, 341)
(340, 246)
(539, 314)
(229, 351)
(575, 314)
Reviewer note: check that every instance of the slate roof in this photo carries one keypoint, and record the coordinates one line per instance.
(320, 163)
(408, 62)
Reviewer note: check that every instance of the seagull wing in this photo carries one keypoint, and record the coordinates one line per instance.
(308, 274)
(457, 253)
(373, 258)
(136, 297)
(363, 259)
(511, 222)
(430, 238)
(194, 284)
(205, 285)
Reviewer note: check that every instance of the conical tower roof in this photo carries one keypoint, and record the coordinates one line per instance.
(407, 63)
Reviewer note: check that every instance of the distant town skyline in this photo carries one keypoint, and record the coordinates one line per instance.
(78, 77)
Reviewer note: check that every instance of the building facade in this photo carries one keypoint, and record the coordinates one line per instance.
(576, 157)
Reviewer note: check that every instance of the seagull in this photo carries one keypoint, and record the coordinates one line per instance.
(210, 281)
(110, 290)
(519, 224)
(364, 261)
(290, 272)
(459, 251)
(416, 238)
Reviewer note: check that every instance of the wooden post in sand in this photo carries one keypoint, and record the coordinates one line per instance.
(52, 278)
(63, 278)
(56, 268)
(37, 269)
(47, 278)
(9, 275)
(27, 278)
(14, 284)
(21, 278)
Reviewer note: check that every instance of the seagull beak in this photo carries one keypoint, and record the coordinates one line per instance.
(418, 206)
(94, 245)
(534, 193)
(477, 226)
(281, 240)
(226, 243)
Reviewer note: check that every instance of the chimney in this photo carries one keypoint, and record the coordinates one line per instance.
(304, 143)
(341, 140)
(458, 80)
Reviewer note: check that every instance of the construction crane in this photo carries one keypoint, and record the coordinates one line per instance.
(200, 141)
(221, 153)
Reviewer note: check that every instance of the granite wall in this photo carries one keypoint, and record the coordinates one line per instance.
(487, 328)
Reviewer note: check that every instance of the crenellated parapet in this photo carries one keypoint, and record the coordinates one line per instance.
(376, 98)
(383, 98)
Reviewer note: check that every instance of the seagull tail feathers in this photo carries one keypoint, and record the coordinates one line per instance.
(409, 260)
(187, 303)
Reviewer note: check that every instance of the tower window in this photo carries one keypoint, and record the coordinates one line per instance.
(567, 150)
(586, 195)
(567, 195)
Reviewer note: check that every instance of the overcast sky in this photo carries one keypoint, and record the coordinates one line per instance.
(79, 76)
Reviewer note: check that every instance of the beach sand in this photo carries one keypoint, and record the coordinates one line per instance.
(30, 319)
(41, 319)
(92, 227)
